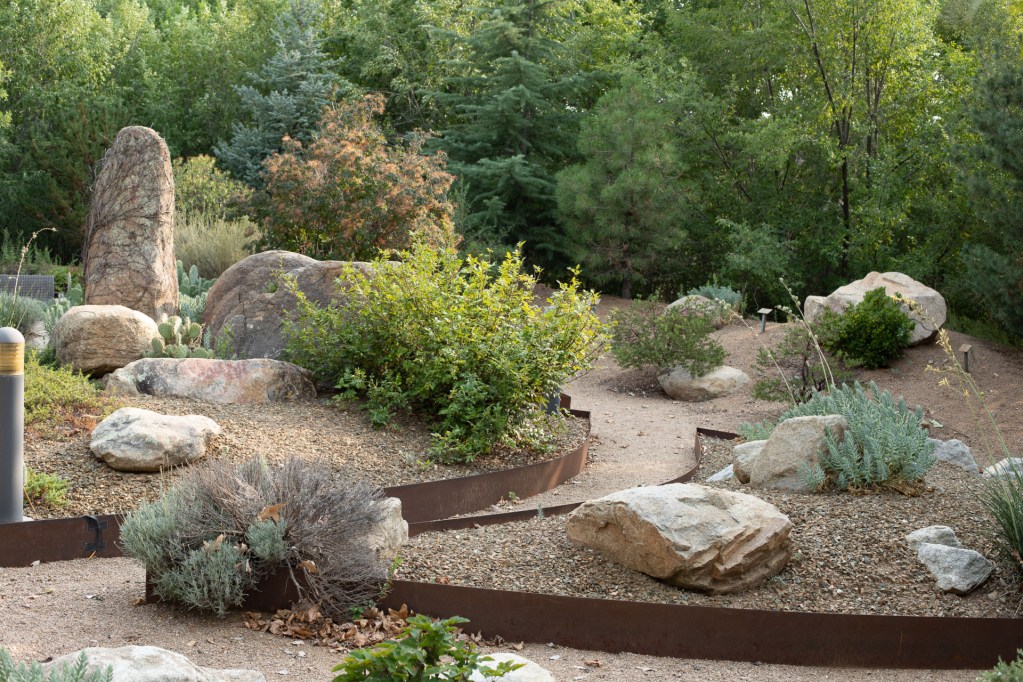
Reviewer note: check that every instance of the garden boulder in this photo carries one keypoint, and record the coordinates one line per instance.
(1005, 468)
(689, 535)
(795, 443)
(928, 319)
(935, 535)
(955, 452)
(151, 664)
(97, 339)
(387, 536)
(744, 455)
(249, 304)
(129, 239)
(718, 312)
(216, 381)
(132, 439)
(680, 384)
(957, 570)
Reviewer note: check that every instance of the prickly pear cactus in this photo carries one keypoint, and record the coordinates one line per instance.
(179, 338)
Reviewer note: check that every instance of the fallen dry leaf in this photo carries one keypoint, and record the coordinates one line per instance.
(271, 512)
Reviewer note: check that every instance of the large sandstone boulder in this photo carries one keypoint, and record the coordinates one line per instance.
(151, 664)
(132, 439)
(690, 535)
(679, 384)
(97, 339)
(249, 305)
(795, 443)
(129, 242)
(216, 381)
(928, 320)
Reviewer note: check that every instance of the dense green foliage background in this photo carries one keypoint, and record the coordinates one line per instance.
(659, 143)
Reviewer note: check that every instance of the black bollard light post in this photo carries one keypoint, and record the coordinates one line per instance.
(12, 425)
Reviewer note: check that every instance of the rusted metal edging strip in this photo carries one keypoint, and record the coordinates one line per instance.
(452, 497)
(793, 638)
(75, 537)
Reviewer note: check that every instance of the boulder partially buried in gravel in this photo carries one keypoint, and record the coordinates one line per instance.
(216, 381)
(529, 672)
(680, 384)
(689, 535)
(151, 664)
(96, 339)
(956, 569)
(132, 439)
(249, 306)
(935, 535)
(794, 444)
(955, 452)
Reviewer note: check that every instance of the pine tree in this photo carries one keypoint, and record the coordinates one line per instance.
(515, 126)
(286, 97)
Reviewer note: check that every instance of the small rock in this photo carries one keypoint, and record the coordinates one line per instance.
(745, 454)
(679, 384)
(722, 475)
(935, 535)
(387, 536)
(132, 439)
(955, 452)
(956, 569)
(152, 664)
(1010, 466)
(530, 672)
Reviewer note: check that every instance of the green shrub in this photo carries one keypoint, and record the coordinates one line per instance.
(201, 187)
(43, 488)
(718, 292)
(428, 650)
(65, 301)
(1003, 497)
(883, 444)
(1005, 672)
(208, 541)
(872, 333)
(59, 397)
(79, 672)
(643, 336)
(20, 312)
(460, 341)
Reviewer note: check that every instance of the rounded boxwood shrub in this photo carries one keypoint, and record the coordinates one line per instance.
(872, 333)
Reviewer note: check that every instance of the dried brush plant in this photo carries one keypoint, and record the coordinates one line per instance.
(208, 541)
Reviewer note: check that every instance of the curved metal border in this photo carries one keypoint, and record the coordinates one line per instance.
(795, 638)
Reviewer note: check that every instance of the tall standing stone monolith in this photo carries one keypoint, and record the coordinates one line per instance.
(129, 248)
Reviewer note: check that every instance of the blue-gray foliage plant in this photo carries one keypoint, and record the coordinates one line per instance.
(79, 672)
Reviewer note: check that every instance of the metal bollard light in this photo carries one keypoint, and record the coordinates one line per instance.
(12, 425)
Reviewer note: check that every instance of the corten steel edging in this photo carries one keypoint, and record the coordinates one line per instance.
(780, 637)
(75, 537)
(454, 496)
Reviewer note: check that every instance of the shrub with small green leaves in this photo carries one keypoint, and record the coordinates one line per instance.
(644, 336)
(794, 369)
(56, 397)
(883, 444)
(1005, 672)
(872, 333)
(79, 672)
(460, 341)
(44, 488)
(428, 650)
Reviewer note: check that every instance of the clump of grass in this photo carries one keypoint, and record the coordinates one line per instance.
(46, 489)
(212, 243)
(60, 401)
(20, 312)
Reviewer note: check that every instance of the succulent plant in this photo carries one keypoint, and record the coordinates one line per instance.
(190, 283)
(179, 338)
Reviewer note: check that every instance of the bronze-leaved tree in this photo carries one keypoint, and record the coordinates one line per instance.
(350, 193)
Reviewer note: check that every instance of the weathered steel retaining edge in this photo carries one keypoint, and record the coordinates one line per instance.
(782, 637)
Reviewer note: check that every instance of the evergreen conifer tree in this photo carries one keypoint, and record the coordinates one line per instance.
(515, 126)
(286, 97)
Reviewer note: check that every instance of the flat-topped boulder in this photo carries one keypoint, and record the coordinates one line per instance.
(928, 319)
(96, 339)
(133, 439)
(260, 380)
(249, 304)
(693, 536)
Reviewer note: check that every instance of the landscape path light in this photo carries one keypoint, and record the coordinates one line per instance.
(12, 425)
(965, 350)
(764, 312)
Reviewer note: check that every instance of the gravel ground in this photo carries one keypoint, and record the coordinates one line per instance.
(639, 438)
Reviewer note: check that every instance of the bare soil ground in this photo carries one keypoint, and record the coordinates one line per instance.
(639, 437)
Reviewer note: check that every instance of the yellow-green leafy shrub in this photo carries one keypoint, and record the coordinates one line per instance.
(460, 341)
